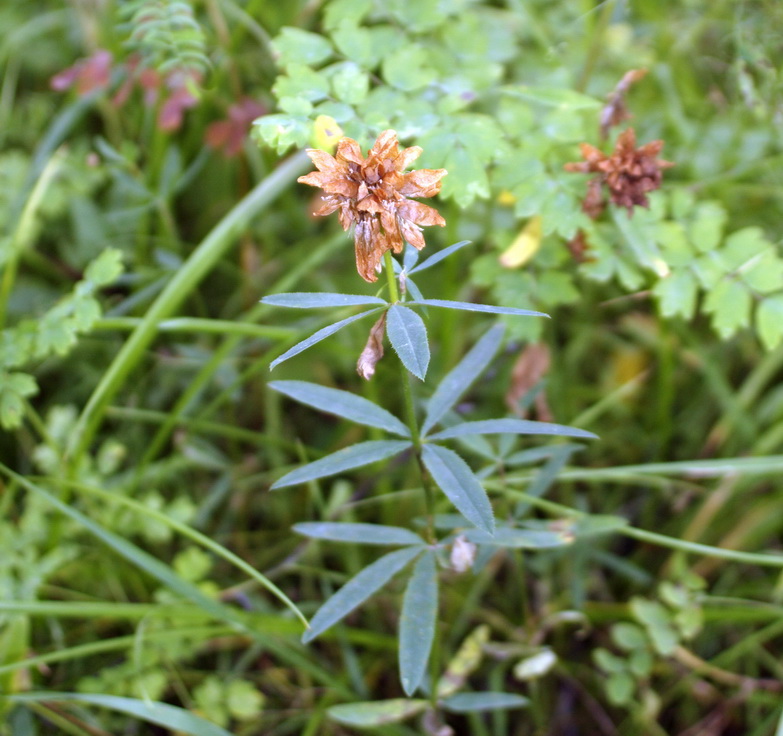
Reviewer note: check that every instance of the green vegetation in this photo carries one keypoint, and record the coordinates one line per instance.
(505, 524)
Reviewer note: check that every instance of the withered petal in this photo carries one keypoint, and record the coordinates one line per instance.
(407, 157)
(325, 162)
(412, 233)
(345, 187)
(348, 150)
(386, 146)
(419, 213)
(422, 182)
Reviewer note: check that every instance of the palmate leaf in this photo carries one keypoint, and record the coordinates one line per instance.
(417, 622)
(455, 478)
(408, 337)
(343, 404)
(161, 714)
(469, 307)
(355, 456)
(459, 379)
(437, 257)
(518, 538)
(319, 300)
(357, 533)
(358, 589)
(316, 337)
(511, 426)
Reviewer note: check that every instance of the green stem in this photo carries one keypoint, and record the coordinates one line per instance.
(211, 249)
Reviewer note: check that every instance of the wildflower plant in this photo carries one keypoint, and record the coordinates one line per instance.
(372, 195)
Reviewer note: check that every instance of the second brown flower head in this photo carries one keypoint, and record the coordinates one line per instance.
(373, 195)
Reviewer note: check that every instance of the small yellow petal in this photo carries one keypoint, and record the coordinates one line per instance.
(525, 245)
(326, 133)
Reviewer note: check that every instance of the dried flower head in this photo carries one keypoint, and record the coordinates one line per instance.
(373, 194)
(629, 172)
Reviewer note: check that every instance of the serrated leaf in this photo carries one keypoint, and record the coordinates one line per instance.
(342, 12)
(455, 478)
(161, 714)
(316, 337)
(106, 268)
(460, 378)
(408, 336)
(282, 131)
(417, 622)
(769, 321)
(706, 229)
(511, 426)
(408, 68)
(342, 403)
(478, 702)
(469, 307)
(729, 303)
(355, 456)
(318, 300)
(436, 258)
(14, 388)
(358, 589)
(468, 178)
(301, 81)
(378, 713)
(296, 46)
(350, 83)
(677, 294)
(357, 533)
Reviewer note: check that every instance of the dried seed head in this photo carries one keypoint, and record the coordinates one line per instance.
(463, 554)
(373, 195)
(629, 172)
(373, 350)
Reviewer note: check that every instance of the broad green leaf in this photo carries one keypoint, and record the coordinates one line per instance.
(342, 12)
(106, 268)
(455, 478)
(437, 257)
(658, 622)
(511, 426)
(408, 337)
(161, 714)
(619, 688)
(296, 46)
(769, 321)
(358, 589)
(629, 636)
(476, 702)
(282, 131)
(319, 300)
(519, 538)
(729, 303)
(417, 622)
(14, 388)
(348, 458)
(301, 81)
(763, 273)
(408, 68)
(565, 99)
(316, 337)
(468, 178)
(350, 83)
(379, 713)
(677, 294)
(357, 533)
(468, 307)
(420, 16)
(342, 403)
(460, 378)
(675, 246)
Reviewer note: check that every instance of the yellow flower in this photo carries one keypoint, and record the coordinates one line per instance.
(373, 195)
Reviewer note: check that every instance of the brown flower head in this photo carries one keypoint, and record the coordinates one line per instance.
(629, 172)
(373, 194)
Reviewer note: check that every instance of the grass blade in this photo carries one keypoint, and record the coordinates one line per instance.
(161, 714)
(358, 589)
(455, 478)
(355, 456)
(417, 622)
(469, 307)
(343, 404)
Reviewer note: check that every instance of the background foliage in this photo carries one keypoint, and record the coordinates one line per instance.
(141, 227)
